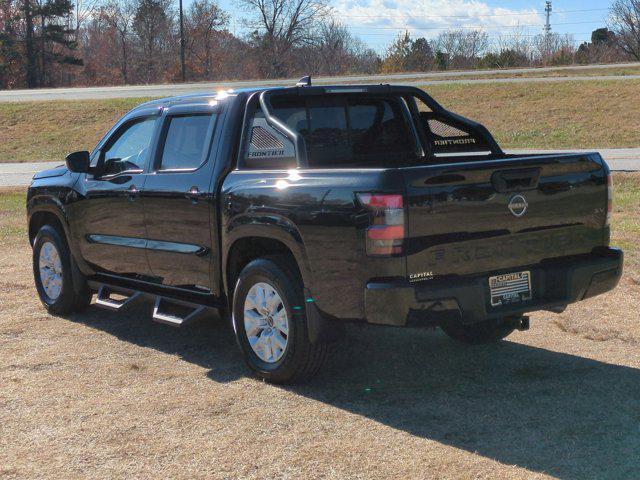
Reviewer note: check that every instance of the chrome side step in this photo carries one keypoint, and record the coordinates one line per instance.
(176, 313)
(104, 298)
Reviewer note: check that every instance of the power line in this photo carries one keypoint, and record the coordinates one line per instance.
(497, 35)
(467, 17)
(467, 27)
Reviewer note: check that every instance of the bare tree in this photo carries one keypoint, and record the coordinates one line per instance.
(365, 60)
(119, 15)
(203, 23)
(554, 49)
(517, 44)
(624, 20)
(337, 50)
(85, 11)
(463, 47)
(153, 25)
(282, 25)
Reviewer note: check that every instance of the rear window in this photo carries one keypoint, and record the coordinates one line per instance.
(351, 131)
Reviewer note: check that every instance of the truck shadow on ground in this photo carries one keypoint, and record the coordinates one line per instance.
(564, 415)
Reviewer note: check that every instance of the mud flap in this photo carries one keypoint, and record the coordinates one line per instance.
(319, 328)
(79, 279)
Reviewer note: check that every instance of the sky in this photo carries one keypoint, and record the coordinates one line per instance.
(378, 22)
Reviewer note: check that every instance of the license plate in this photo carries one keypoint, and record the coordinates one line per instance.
(510, 288)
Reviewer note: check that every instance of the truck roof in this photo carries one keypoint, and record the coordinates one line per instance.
(205, 97)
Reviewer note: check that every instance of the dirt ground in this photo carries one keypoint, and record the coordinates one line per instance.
(106, 395)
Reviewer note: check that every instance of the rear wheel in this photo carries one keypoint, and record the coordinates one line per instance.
(270, 323)
(52, 271)
(487, 331)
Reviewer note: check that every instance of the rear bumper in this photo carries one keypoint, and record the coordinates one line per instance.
(555, 284)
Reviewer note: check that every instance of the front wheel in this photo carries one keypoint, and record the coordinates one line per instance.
(270, 324)
(52, 272)
(487, 331)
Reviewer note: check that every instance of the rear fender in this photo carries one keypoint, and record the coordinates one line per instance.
(284, 231)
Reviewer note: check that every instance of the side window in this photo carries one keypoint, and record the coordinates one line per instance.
(129, 149)
(266, 148)
(185, 142)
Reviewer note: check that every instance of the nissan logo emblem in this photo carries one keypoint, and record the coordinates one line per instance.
(518, 205)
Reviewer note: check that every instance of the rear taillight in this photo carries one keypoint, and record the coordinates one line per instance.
(386, 231)
(609, 199)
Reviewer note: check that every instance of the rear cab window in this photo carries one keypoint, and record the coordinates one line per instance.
(339, 132)
(362, 130)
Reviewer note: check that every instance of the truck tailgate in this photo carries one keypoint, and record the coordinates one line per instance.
(497, 215)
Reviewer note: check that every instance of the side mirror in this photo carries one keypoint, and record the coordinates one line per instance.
(78, 162)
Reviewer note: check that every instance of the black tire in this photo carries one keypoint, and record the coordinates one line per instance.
(73, 297)
(487, 331)
(301, 358)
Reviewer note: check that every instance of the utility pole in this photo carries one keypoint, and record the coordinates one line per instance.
(548, 9)
(184, 72)
(547, 29)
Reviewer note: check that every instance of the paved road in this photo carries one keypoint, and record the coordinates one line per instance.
(430, 78)
(19, 174)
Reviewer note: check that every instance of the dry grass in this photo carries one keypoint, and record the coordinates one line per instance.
(552, 115)
(44, 131)
(12, 223)
(106, 395)
(626, 228)
(588, 72)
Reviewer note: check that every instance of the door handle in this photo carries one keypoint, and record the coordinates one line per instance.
(132, 192)
(194, 194)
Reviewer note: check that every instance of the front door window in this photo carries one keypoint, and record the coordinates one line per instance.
(129, 151)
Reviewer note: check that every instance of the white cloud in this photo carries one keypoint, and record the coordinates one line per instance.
(379, 19)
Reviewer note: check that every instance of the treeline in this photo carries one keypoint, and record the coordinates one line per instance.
(110, 42)
(461, 49)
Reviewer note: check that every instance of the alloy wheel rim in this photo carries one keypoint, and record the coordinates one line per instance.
(265, 322)
(50, 266)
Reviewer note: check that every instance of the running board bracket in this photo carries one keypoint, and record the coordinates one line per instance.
(176, 313)
(105, 300)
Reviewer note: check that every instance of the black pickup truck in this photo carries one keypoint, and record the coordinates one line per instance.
(293, 210)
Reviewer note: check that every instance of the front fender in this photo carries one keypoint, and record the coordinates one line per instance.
(56, 200)
(37, 204)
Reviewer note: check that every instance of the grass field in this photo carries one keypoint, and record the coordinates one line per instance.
(587, 72)
(108, 395)
(49, 130)
(530, 115)
(551, 115)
